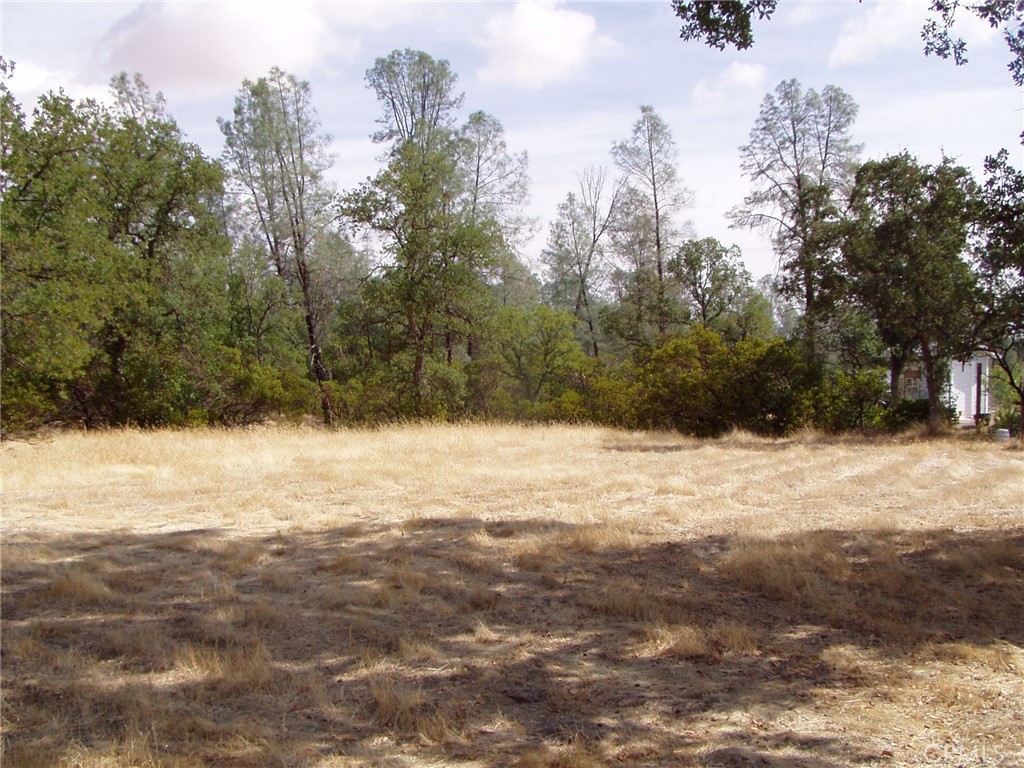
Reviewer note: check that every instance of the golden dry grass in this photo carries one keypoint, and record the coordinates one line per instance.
(502, 596)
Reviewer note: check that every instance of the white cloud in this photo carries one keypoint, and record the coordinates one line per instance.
(210, 47)
(31, 80)
(372, 15)
(897, 26)
(749, 76)
(885, 26)
(975, 31)
(935, 123)
(355, 160)
(538, 43)
(737, 76)
(799, 14)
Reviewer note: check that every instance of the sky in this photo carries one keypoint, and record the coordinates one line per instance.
(566, 79)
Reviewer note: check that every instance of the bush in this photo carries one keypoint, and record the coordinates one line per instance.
(771, 387)
(385, 392)
(851, 401)
(612, 395)
(1007, 418)
(684, 385)
(907, 413)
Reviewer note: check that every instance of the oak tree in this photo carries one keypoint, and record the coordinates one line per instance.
(904, 257)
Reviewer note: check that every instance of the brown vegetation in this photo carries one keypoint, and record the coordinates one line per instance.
(488, 596)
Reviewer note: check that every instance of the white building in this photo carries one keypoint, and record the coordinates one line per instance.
(968, 387)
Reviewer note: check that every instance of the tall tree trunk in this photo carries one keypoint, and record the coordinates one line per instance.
(932, 368)
(313, 336)
(115, 347)
(897, 361)
(417, 333)
(583, 311)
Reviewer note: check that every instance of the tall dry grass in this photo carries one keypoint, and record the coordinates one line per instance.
(269, 479)
(535, 596)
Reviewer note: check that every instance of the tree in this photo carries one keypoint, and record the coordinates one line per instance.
(721, 22)
(496, 191)
(1006, 15)
(498, 184)
(712, 278)
(436, 208)
(57, 262)
(575, 256)
(634, 314)
(113, 302)
(418, 96)
(277, 159)
(648, 161)
(685, 384)
(730, 22)
(1000, 266)
(698, 384)
(801, 161)
(537, 351)
(904, 259)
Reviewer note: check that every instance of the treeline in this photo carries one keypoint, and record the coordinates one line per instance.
(145, 283)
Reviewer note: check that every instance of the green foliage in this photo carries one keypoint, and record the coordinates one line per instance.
(851, 401)
(699, 385)
(58, 263)
(908, 413)
(277, 160)
(1009, 419)
(444, 220)
(113, 277)
(577, 249)
(774, 387)
(718, 291)
(999, 253)
(801, 160)
(385, 392)
(611, 393)
(683, 384)
(903, 259)
(532, 360)
(134, 290)
(433, 284)
(252, 392)
(721, 23)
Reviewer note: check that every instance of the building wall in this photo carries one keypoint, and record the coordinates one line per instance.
(964, 378)
(963, 387)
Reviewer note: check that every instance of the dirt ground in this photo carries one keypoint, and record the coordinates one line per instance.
(510, 596)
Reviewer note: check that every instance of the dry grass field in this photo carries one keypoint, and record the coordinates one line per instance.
(549, 597)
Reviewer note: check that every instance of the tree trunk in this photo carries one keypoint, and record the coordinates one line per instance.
(115, 347)
(417, 333)
(936, 418)
(1020, 423)
(582, 298)
(315, 352)
(897, 361)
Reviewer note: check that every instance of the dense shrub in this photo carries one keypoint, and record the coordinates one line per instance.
(908, 413)
(851, 401)
(1007, 418)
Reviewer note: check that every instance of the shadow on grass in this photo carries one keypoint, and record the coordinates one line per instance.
(533, 643)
